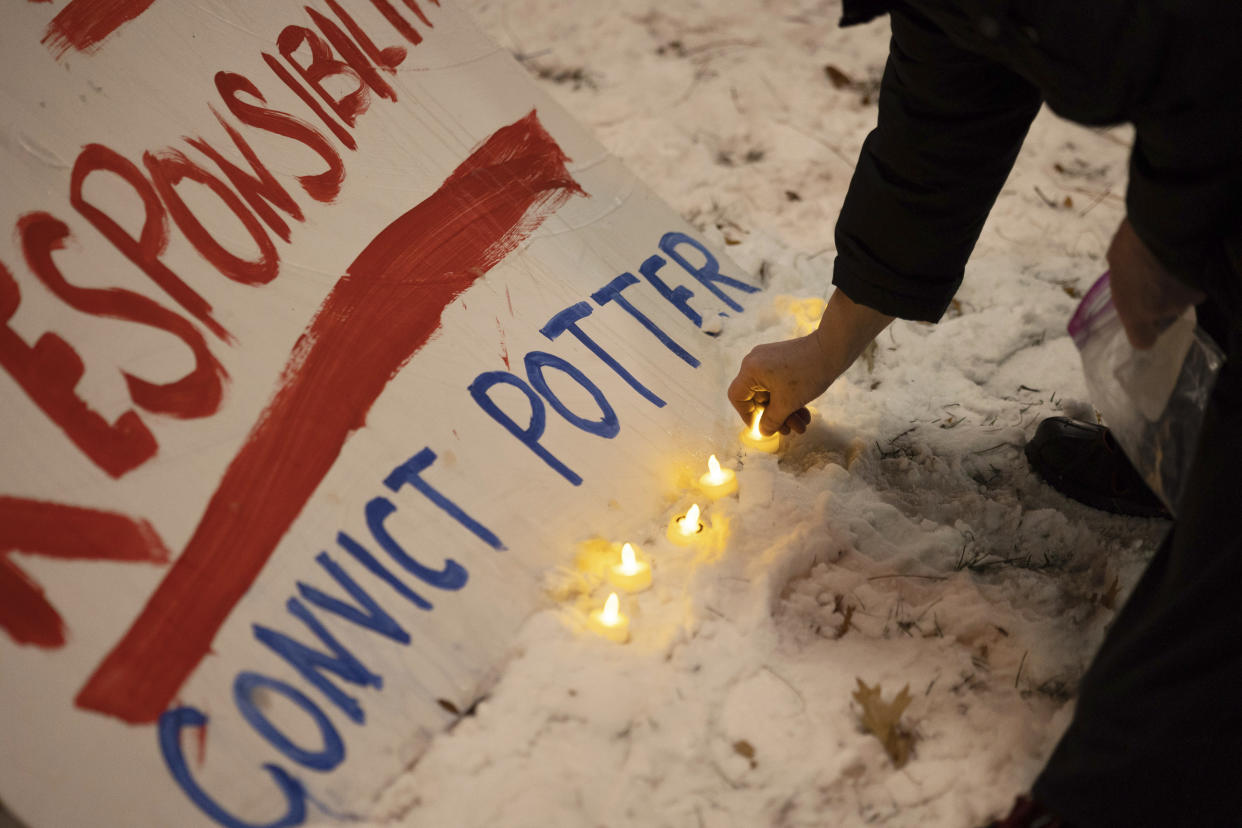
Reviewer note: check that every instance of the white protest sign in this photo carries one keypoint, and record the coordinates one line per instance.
(324, 334)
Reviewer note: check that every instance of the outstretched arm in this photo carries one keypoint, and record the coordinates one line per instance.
(949, 128)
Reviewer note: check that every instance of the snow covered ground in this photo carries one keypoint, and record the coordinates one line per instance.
(902, 540)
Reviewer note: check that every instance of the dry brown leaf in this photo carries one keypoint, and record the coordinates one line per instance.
(883, 720)
(746, 750)
(839, 79)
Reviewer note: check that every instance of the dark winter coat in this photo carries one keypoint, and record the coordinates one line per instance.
(1156, 736)
(964, 80)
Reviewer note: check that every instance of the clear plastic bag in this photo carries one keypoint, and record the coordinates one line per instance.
(1153, 401)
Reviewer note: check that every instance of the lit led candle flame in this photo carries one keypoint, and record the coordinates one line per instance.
(684, 529)
(718, 482)
(631, 575)
(611, 613)
(629, 563)
(610, 622)
(755, 439)
(689, 524)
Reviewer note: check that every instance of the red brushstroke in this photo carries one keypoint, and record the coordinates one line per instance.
(170, 167)
(49, 372)
(259, 187)
(352, 55)
(397, 21)
(381, 312)
(201, 739)
(322, 67)
(324, 186)
(388, 58)
(412, 5)
(55, 530)
(144, 251)
(83, 24)
(302, 92)
(504, 350)
(197, 394)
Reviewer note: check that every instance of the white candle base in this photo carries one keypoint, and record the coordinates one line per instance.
(724, 488)
(681, 538)
(769, 444)
(618, 631)
(635, 581)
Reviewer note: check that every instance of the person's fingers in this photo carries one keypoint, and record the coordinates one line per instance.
(774, 417)
(1147, 296)
(795, 422)
(1132, 314)
(769, 422)
(1143, 317)
(761, 401)
(798, 420)
(742, 395)
(773, 378)
(1141, 335)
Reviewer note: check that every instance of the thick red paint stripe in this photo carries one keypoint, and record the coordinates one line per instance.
(381, 312)
(55, 530)
(26, 615)
(83, 24)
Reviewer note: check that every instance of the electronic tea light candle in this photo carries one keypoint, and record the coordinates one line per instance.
(632, 574)
(754, 438)
(718, 482)
(683, 529)
(610, 622)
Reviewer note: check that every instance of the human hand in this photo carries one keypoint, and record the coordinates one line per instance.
(783, 377)
(1147, 296)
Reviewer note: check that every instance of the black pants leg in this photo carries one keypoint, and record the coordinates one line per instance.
(1156, 738)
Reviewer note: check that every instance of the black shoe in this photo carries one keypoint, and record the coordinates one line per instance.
(1083, 461)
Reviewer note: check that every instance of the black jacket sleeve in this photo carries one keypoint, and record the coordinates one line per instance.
(950, 126)
(1185, 192)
